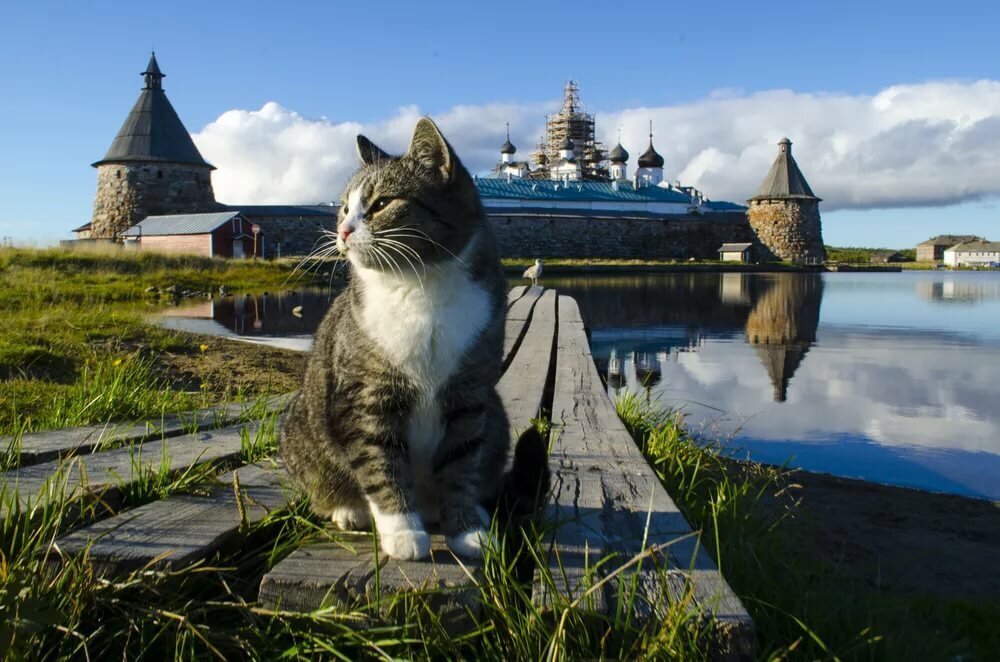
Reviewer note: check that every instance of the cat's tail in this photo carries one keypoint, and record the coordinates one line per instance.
(526, 486)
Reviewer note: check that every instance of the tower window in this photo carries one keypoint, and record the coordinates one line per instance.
(118, 173)
(159, 174)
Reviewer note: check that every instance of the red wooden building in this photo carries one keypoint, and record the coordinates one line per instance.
(222, 234)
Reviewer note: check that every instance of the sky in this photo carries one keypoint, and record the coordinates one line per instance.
(893, 107)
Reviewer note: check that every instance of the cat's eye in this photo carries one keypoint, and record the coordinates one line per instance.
(379, 204)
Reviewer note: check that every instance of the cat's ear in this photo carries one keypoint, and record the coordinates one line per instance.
(429, 147)
(370, 152)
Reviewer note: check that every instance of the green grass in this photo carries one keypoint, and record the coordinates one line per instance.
(860, 255)
(75, 344)
(61, 610)
(803, 608)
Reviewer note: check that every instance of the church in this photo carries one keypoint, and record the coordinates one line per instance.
(573, 199)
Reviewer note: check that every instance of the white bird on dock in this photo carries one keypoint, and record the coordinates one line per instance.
(534, 273)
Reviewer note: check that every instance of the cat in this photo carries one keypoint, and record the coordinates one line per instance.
(398, 420)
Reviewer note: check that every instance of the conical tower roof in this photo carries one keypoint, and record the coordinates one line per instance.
(784, 180)
(781, 362)
(153, 132)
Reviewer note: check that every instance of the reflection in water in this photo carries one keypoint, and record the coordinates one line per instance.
(256, 315)
(782, 325)
(861, 375)
(958, 290)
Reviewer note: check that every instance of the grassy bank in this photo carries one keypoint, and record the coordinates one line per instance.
(62, 610)
(76, 346)
(803, 608)
(805, 604)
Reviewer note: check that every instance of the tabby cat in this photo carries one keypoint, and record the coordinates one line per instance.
(398, 419)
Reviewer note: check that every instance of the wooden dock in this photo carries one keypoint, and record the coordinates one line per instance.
(606, 507)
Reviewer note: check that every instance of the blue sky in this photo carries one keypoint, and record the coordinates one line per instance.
(69, 74)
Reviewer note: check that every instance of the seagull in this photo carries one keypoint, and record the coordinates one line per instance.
(534, 273)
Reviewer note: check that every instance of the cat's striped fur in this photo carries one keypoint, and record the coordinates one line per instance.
(398, 418)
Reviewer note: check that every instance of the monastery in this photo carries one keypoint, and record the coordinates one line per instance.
(573, 199)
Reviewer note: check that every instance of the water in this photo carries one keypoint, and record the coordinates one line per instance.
(890, 377)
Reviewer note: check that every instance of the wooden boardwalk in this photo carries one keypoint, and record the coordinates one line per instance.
(605, 499)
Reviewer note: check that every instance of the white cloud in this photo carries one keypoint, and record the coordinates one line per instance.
(934, 143)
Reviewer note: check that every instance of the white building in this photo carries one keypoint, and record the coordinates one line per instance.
(973, 254)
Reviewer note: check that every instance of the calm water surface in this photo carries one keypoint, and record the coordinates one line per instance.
(887, 377)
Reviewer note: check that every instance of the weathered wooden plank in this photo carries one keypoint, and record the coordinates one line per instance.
(523, 383)
(343, 573)
(181, 529)
(102, 474)
(514, 294)
(607, 499)
(38, 447)
(517, 321)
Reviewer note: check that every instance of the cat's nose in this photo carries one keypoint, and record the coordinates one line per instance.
(343, 232)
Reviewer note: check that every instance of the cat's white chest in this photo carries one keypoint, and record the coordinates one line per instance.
(424, 328)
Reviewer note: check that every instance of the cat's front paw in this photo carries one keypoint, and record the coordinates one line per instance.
(470, 543)
(406, 544)
(351, 518)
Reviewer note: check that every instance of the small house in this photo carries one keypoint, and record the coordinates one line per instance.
(886, 257)
(933, 249)
(83, 232)
(735, 252)
(221, 234)
(973, 254)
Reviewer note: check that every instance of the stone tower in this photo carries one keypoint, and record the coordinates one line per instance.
(152, 167)
(785, 213)
(782, 325)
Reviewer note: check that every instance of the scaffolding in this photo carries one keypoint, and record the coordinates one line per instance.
(572, 122)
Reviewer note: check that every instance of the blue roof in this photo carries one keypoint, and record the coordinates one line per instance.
(582, 191)
(722, 205)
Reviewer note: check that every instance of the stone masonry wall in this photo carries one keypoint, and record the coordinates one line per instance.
(296, 235)
(127, 193)
(790, 229)
(616, 238)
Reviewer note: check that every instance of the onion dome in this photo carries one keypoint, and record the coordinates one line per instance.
(618, 154)
(566, 144)
(507, 147)
(650, 158)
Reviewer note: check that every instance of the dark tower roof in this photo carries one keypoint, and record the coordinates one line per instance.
(618, 154)
(784, 180)
(566, 144)
(650, 158)
(507, 147)
(153, 131)
(781, 362)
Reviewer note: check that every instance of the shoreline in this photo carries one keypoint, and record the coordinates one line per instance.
(899, 540)
(557, 268)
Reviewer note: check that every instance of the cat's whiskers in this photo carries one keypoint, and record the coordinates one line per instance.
(316, 257)
(420, 234)
(401, 247)
(396, 249)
